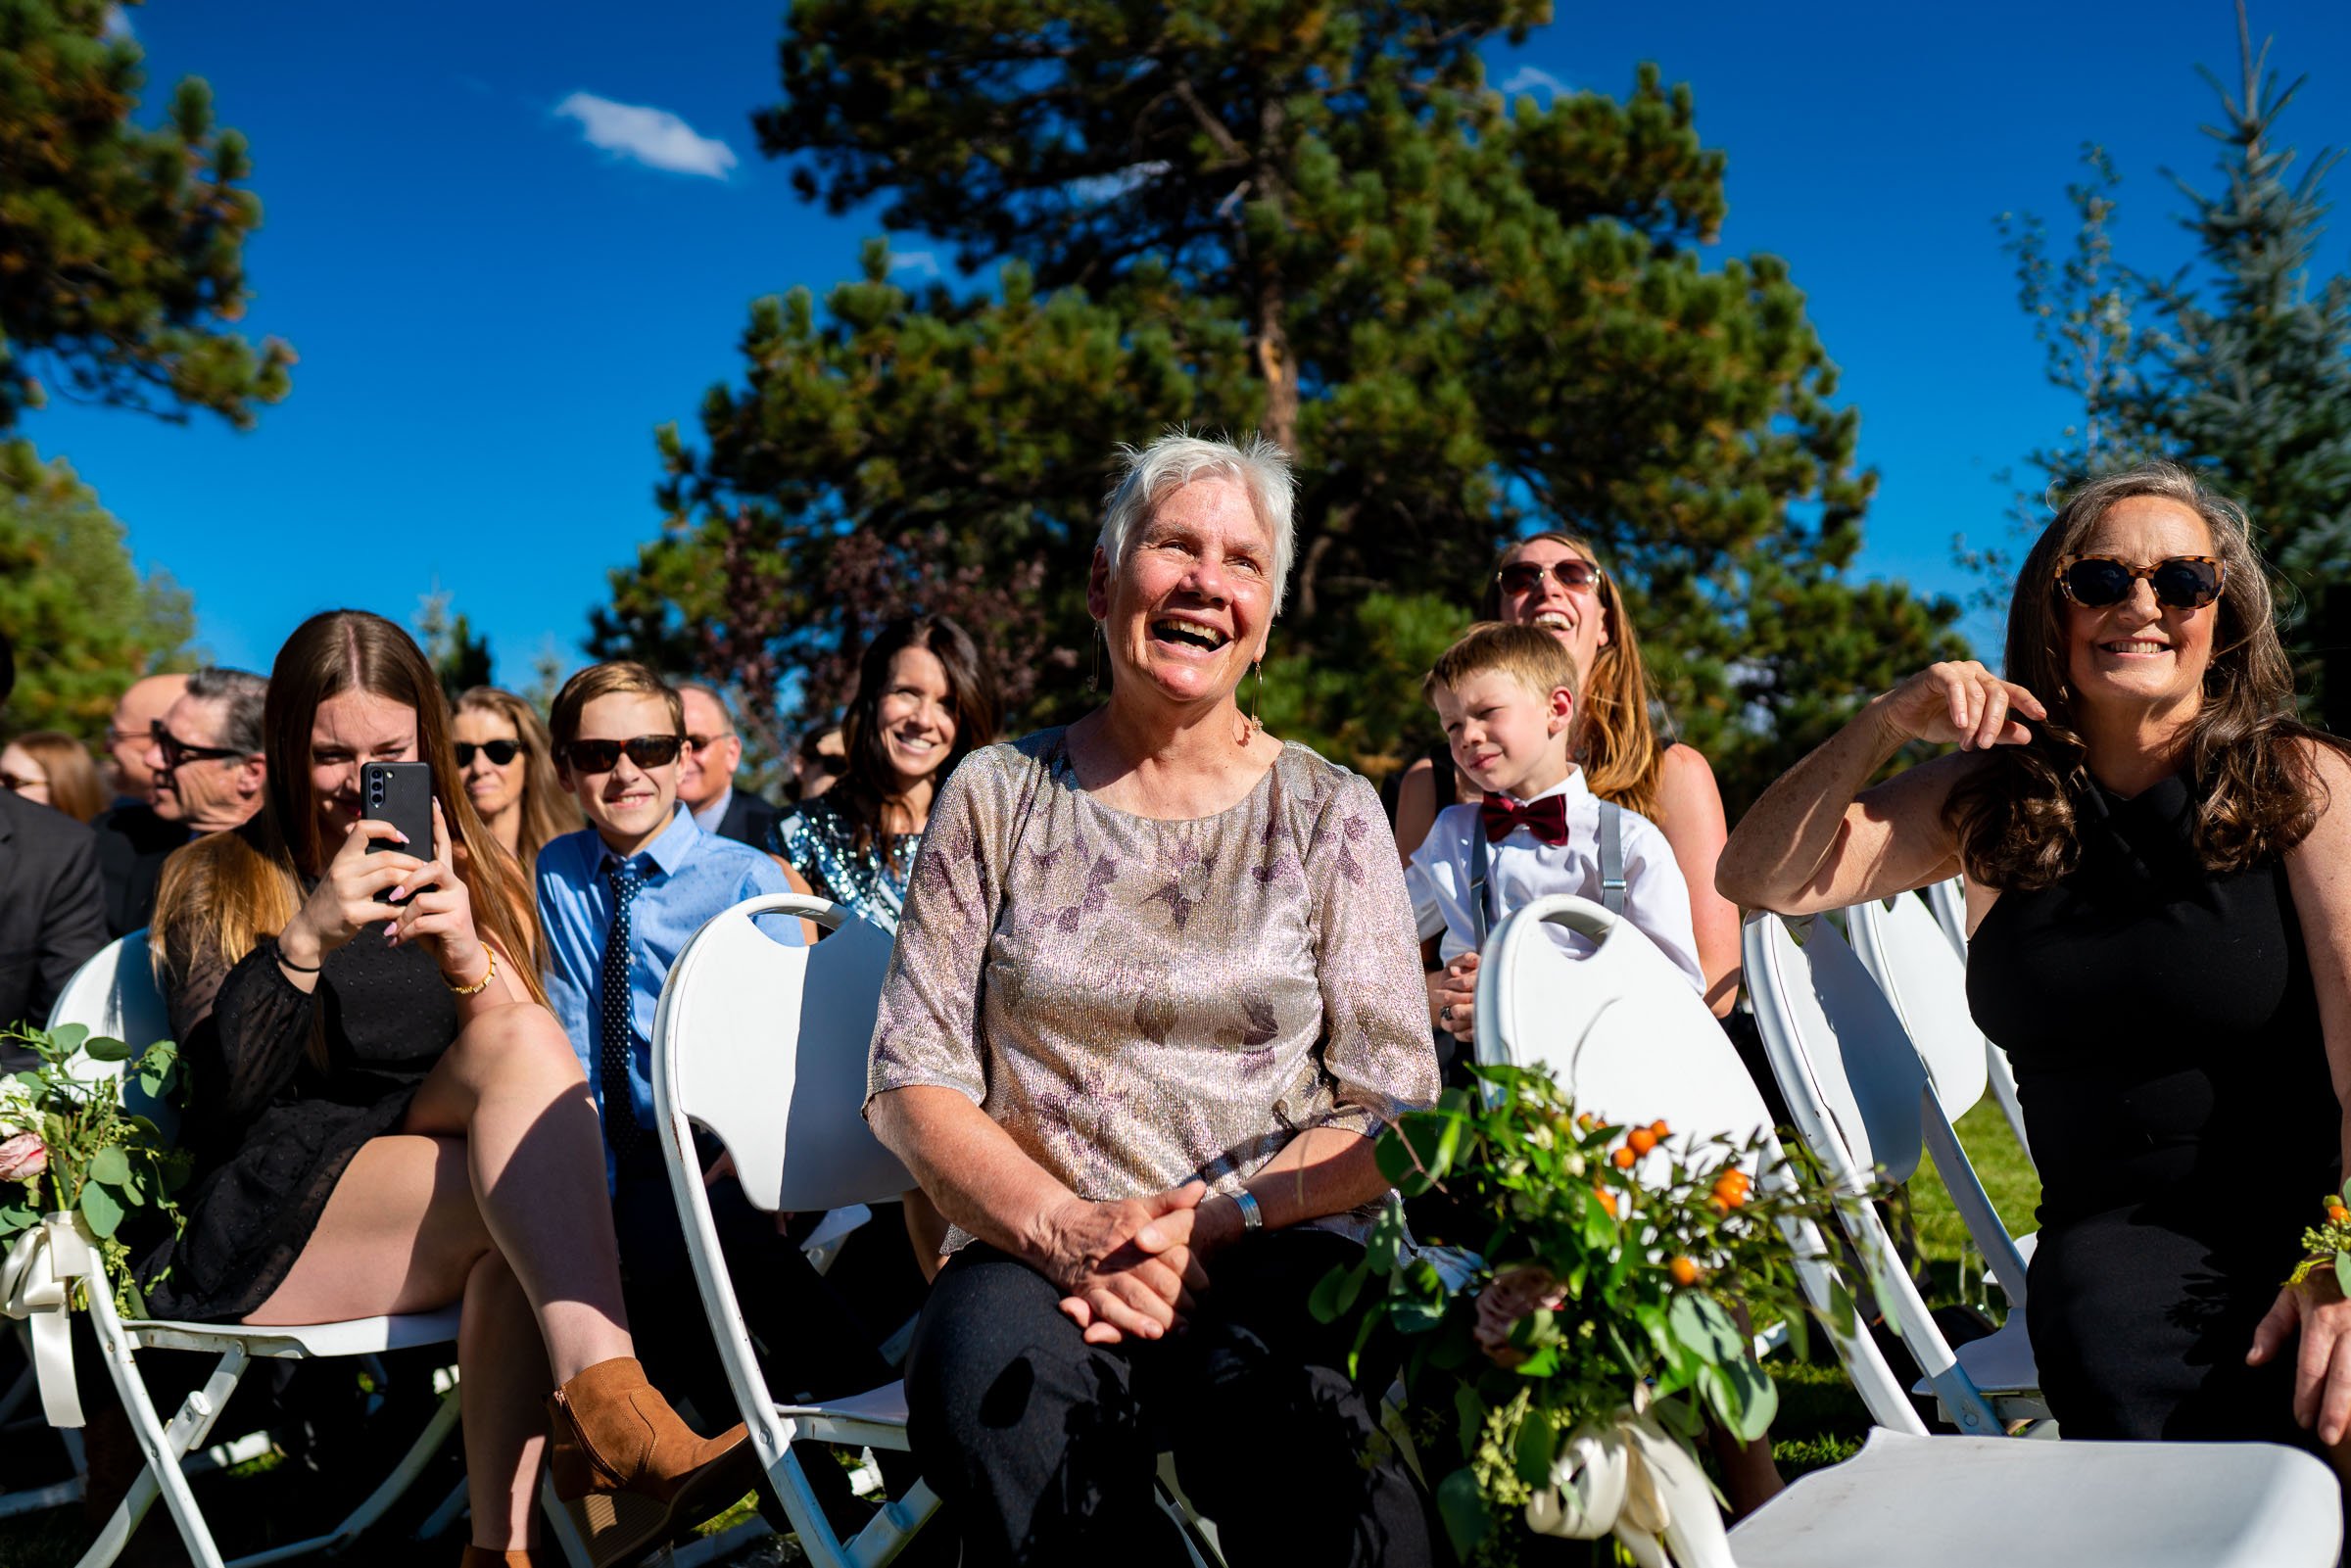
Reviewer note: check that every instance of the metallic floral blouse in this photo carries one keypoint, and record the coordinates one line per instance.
(1142, 1002)
(816, 841)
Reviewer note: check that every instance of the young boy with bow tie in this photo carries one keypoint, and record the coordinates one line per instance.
(1506, 696)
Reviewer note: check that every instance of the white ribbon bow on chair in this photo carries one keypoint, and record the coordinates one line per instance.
(36, 1283)
(1632, 1478)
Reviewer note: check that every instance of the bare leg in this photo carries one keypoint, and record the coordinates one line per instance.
(534, 1149)
(504, 1364)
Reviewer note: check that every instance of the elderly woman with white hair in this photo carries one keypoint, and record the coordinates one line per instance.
(1154, 996)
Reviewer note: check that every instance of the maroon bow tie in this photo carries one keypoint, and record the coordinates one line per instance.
(1546, 819)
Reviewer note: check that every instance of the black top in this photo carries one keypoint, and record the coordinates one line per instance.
(2157, 1013)
(52, 913)
(748, 820)
(134, 842)
(271, 1131)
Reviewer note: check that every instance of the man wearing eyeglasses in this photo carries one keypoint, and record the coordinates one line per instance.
(130, 731)
(706, 771)
(204, 774)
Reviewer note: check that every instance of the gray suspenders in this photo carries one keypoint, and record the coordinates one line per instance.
(1611, 868)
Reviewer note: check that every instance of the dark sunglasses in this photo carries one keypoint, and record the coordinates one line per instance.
(1524, 576)
(602, 756)
(703, 743)
(178, 753)
(2180, 582)
(501, 752)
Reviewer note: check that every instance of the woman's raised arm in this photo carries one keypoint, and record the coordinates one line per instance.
(1817, 840)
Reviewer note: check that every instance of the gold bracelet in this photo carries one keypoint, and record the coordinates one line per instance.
(475, 989)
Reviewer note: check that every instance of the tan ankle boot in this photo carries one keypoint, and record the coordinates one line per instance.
(639, 1474)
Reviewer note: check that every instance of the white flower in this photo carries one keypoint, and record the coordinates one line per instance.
(19, 1109)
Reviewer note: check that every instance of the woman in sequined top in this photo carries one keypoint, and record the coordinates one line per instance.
(1155, 994)
(923, 700)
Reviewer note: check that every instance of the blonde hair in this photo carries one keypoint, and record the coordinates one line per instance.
(1614, 741)
(1147, 474)
(1526, 655)
(224, 892)
(548, 810)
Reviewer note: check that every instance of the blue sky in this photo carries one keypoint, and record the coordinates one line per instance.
(493, 311)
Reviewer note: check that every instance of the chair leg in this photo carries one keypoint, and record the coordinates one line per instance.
(387, 1492)
(162, 1448)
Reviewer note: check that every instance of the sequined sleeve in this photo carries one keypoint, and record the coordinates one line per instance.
(1376, 1046)
(928, 1032)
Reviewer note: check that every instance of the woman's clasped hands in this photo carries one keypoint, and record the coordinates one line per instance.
(1129, 1267)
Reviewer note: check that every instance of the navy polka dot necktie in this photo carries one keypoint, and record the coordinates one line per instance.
(612, 1065)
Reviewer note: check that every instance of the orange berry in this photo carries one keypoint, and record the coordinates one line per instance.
(1587, 1121)
(1607, 1199)
(2337, 1213)
(1660, 1129)
(1624, 1159)
(1642, 1140)
(1720, 1204)
(1685, 1272)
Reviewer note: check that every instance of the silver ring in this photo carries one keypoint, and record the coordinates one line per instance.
(1445, 1013)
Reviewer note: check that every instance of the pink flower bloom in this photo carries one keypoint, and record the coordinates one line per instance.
(22, 1157)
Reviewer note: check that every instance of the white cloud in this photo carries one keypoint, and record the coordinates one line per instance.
(653, 137)
(918, 262)
(1527, 78)
(1095, 189)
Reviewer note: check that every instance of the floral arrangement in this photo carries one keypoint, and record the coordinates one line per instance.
(1609, 1301)
(69, 1145)
(2329, 1245)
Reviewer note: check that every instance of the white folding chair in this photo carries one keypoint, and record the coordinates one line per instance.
(763, 1046)
(1907, 951)
(1948, 899)
(1626, 1045)
(1863, 1099)
(115, 995)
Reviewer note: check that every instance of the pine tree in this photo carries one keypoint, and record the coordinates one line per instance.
(2238, 365)
(460, 658)
(123, 246)
(1462, 315)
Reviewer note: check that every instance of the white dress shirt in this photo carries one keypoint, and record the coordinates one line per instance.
(1519, 869)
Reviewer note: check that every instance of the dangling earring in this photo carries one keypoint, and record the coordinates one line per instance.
(1256, 668)
(1093, 672)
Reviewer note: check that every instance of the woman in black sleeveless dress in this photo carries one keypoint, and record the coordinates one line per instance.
(386, 1117)
(2161, 894)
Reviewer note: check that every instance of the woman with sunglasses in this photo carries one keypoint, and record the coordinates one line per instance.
(385, 1115)
(2158, 861)
(510, 769)
(1554, 581)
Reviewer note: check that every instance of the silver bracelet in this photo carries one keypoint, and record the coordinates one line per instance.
(1252, 1216)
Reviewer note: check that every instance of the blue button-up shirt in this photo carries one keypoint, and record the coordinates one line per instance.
(690, 876)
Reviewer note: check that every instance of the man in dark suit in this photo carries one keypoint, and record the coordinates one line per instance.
(706, 771)
(51, 914)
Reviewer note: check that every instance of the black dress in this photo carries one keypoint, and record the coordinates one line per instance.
(2165, 1034)
(270, 1133)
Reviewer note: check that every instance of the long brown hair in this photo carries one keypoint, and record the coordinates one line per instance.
(228, 890)
(548, 810)
(867, 786)
(72, 777)
(1614, 742)
(2014, 817)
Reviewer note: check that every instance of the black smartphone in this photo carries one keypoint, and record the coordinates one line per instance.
(401, 794)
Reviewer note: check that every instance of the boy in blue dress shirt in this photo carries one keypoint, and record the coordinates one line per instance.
(618, 901)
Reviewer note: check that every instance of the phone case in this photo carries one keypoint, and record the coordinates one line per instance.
(401, 794)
